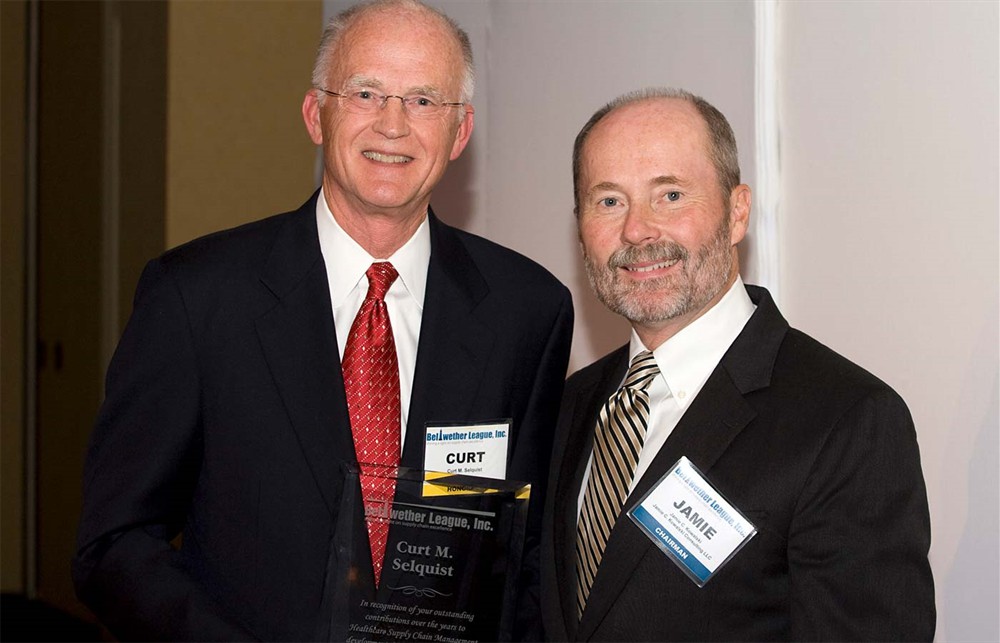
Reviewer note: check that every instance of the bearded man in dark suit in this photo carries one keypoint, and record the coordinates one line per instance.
(227, 417)
(716, 397)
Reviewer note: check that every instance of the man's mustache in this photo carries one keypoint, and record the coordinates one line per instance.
(655, 252)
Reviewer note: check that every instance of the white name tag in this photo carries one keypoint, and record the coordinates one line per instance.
(469, 449)
(691, 522)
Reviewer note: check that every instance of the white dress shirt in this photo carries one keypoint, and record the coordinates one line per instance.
(346, 263)
(685, 361)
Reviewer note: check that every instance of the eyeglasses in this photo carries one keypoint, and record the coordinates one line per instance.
(365, 101)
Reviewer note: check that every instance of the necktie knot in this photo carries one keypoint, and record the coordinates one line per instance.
(642, 371)
(380, 275)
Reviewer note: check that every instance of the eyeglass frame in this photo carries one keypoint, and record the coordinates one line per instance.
(385, 101)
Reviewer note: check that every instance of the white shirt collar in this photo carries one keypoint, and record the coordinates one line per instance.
(689, 357)
(347, 262)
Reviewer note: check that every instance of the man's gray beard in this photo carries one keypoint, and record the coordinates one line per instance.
(664, 298)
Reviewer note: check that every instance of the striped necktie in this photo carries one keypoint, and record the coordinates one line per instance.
(621, 429)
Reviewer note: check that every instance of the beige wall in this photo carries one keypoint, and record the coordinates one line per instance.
(12, 171)
(236, 146)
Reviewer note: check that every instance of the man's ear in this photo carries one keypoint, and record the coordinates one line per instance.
(739, 213)
(311, 117)
(463, 133)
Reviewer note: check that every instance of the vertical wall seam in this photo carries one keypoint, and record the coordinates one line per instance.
(765, 222)
(31, 307)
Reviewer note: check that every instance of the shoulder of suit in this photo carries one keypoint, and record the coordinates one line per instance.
(793, 360)
(246, 246)
(806, 363)
(260, 231)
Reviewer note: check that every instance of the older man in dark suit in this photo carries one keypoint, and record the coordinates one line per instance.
(261, 359)
(808, 463)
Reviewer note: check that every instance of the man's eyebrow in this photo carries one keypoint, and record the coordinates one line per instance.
(604, 186)
(663, 179)
(359, 81)
(424, 90)
(669, 179)
(362, 81)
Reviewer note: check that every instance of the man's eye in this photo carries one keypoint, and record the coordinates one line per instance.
(364, 94)
(609, 202)
(673, 196)
(423, 101)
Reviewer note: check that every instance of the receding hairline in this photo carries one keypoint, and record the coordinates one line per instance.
(674, 102)
(346, 21)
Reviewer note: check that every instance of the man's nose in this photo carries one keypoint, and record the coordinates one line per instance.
(391, 119)
(640, 225)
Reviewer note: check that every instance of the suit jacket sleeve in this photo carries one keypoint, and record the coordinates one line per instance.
(141, 470)
(534, 443)
(857, 550)
(534, 448)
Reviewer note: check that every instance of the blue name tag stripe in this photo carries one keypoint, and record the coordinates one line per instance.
(677, 550)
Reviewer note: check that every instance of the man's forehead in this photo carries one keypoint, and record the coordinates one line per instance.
(646, 145)
(672, 118)
(375, 44)
(650, 126)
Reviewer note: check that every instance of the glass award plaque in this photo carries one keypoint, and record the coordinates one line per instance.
(451, 564)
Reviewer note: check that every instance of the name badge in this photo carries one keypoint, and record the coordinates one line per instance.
(478, 449)
(691, 522)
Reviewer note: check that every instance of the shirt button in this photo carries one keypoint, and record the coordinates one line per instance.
(681, 395)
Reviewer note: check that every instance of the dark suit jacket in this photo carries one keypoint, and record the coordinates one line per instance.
(225, 418)
(818, 453)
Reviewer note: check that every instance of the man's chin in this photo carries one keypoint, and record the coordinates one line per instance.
(389, 202)
(647, 308)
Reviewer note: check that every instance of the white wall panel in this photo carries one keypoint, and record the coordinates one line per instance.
(889, 188)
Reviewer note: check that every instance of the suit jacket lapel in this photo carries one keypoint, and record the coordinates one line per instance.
(299, 342)
(708, 427)
(454, 346)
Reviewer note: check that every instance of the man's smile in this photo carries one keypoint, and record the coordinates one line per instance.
(650, 267)
(386, 158)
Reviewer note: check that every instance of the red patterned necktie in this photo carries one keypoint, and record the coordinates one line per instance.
(371, 380)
